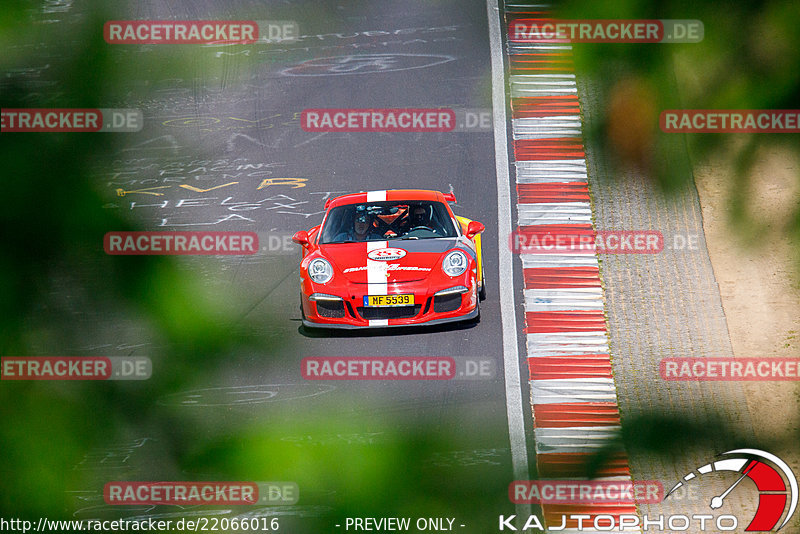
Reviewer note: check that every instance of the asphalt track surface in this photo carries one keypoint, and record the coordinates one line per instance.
(223, 150)
(232, 137)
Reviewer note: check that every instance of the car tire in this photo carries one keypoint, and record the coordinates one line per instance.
(477, 318)
(482, 293)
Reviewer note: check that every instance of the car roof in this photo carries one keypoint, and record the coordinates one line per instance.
(390, 195)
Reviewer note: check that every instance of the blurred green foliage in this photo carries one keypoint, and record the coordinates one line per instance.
(60, 293)
(58, 289)
(747, 59)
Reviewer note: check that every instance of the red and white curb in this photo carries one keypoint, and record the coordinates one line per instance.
(573, 396)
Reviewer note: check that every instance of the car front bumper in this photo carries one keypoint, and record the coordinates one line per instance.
(343, 308)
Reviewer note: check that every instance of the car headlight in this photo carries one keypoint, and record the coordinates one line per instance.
(320, 271)
(455, 263)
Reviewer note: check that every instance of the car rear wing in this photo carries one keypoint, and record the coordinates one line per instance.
(449, 197)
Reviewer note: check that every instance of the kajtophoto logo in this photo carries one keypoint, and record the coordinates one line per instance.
(774, 481)
(773, 496)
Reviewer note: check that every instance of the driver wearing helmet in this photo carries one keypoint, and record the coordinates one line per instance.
(363, 230)
(418, 216)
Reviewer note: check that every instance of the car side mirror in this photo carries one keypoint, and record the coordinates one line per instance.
(301, 238)
(474, 228)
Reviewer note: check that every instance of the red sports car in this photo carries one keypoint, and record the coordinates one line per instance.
(391, 258)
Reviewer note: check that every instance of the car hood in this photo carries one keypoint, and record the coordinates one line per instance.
(388, 261)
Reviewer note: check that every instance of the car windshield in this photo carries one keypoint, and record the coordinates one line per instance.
(383, 221)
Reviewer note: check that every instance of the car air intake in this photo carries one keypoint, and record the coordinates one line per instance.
(446, 303)
(397, 312)
(333, 309)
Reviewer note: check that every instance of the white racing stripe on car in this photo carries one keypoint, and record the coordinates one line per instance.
(376, 270)
(376, 273)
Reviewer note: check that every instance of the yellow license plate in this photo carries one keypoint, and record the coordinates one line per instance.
(388, 300)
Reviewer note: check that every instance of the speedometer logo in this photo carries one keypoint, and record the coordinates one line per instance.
(768, 472)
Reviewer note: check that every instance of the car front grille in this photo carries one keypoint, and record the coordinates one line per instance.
(397, 312)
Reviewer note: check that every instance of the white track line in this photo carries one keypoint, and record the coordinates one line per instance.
(511, 362)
